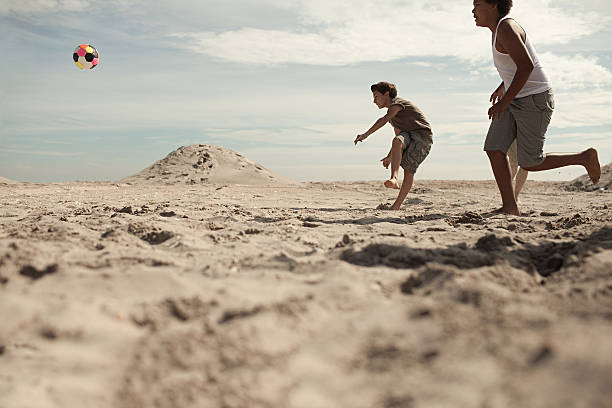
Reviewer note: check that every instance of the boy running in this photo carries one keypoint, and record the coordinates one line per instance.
(522, 105)
(412, 141)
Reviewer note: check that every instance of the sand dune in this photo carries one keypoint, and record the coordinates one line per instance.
(197, 164)
(302, 296)
(583, 183)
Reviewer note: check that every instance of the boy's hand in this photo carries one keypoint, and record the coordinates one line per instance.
(497, 95)
(360, 138)
(386, 161)
(497, 109)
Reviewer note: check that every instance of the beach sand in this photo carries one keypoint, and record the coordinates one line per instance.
(229, 286)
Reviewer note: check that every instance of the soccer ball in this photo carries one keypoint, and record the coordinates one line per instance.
(85, 56)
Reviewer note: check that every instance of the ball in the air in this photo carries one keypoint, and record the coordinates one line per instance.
(85, 56)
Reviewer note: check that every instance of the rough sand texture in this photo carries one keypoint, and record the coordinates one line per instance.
(583, 183)
(117, 295)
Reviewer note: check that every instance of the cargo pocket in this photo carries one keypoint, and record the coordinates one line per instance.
(544, 102)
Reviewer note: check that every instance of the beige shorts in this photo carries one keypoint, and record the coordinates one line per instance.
(526, 120)
(416, 146)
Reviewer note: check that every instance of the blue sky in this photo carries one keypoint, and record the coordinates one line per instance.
(286, 83)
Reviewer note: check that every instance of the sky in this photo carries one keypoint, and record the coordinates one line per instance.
(285, 83)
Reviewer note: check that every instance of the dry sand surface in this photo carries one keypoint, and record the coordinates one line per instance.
(6, 181)
(223, 294)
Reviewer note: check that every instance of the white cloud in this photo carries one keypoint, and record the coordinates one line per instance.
(344, 32)
(28, 7)
(549, 22)
(576, 71)
(582, 109)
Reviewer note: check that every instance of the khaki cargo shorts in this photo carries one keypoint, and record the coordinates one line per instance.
(416, 146)
(526, 120)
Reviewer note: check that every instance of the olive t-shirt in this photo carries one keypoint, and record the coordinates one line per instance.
(409, 118)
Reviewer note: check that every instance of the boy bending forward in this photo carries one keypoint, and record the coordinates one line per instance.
(412, 141)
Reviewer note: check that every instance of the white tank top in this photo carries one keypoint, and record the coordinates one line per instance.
(537, 81)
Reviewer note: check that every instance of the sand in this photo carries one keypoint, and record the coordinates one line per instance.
(282, 294)
(6, 181)
(198, 164)
(583, 183)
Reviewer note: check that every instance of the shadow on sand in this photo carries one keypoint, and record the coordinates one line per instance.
(546, 257)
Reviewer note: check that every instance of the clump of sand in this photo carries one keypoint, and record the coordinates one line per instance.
(6, 181)
(583, 183)
(200, 163)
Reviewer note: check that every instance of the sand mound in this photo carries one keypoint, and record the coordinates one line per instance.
(200, 163)
(5, 181)
(583, 183)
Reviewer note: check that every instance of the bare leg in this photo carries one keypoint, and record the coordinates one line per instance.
(514, 171)
(406, 186)
(513, 168)
(512, 159)
(501, 171)
(588, 158)
(521, 177)
(396, 159)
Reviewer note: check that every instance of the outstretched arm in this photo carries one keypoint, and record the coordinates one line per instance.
(391, 113)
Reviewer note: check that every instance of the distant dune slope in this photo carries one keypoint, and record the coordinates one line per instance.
(196, 164)
(583, 183)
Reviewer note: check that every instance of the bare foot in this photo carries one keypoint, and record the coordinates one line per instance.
(385, 206)
(508, 211)
(392, 183)
(395, 207)
(592, 164)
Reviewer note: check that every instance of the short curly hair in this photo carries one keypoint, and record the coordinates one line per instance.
(503, 6)
(383, 87)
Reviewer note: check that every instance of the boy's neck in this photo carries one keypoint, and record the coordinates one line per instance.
(493, 26)
(388, 102)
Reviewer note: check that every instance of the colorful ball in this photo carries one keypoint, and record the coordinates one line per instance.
(86, 56)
